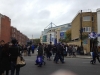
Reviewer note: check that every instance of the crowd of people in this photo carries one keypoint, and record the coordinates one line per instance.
(10, 51)
(58, 51)
(8, 57)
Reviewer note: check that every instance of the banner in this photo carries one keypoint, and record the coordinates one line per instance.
(93, 35)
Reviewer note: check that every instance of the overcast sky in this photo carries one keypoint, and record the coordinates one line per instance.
(32, 16)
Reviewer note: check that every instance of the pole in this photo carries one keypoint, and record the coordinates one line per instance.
(81, 30)
(50, 31)
(32, 39)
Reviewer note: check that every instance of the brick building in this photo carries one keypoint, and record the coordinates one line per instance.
(89, 24)
(22, 39)
(7, 32)
(5, 23)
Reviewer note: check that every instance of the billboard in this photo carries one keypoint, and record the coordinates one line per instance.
(44, 38)
(62, 35)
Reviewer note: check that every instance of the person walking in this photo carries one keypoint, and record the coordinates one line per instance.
(66, 49)
(25, 50)
(49, 52)
(73, 51)
(45, 50)
(95, 55)
(14, 51)
(29, 50)
(70, 50)
(32, 48)
(1, 47)
(39, 60)
(59, 54)
(5, 59)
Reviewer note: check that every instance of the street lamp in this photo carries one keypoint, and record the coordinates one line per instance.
(81, 30)
(50, 31)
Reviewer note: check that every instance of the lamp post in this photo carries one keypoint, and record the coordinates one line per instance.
(50, 31)
(81, 30)
(32, 39)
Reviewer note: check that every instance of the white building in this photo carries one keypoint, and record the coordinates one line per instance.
(98, 24)
(53, 34)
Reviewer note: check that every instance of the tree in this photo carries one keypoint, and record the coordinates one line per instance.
(36, 41)
(68, 35)
(62, 40)
(84, 36)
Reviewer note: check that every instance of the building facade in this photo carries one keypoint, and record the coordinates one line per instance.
(90, 23)
(98, 25)
(54, 34)
(22, 39)
(5, 23)
(7, 32)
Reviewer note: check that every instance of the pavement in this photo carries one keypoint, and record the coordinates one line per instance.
(80, 56)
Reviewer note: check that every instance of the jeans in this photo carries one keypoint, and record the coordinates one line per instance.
(13, 67)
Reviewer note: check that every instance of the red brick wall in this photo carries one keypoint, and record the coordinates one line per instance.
(5, 29)
(22, 39)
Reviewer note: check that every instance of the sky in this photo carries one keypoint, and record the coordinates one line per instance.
(31, 16)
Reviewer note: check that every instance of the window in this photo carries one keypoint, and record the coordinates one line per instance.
(89, 29)
(92, 19)
(87, 18)
(14, 30)
(86, 29)
(14, 35)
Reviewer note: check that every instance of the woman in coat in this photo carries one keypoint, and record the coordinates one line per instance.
(14, 51)
(5, 59)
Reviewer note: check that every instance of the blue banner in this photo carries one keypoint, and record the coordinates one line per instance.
(92, 35)
(62, 35)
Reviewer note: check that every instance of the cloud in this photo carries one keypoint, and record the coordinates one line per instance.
(32, 16)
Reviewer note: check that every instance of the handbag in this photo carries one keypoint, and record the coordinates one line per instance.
(20, 61)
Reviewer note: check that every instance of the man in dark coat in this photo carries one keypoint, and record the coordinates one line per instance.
(5, 59)
(40, 56)
(14, 53)
(49, 52)
(1, 46)
(40, 50)
(32, 48)
(59, 53)
(95, 55)
(0, 58)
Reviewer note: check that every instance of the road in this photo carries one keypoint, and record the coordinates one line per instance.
(79, 66)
